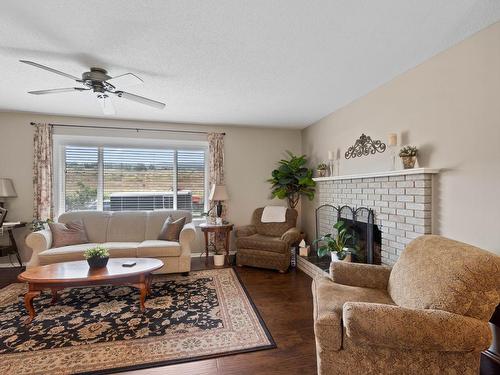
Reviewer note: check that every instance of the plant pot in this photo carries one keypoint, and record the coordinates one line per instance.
(97, 262)
(219, 260)
(408, 161)
(321, 172)
(335, 257)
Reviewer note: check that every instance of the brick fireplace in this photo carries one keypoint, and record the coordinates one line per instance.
(401, 202)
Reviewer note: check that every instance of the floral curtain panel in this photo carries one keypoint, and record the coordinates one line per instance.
(216, 174)
(43, 205)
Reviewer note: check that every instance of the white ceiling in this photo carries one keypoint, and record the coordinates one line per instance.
(280, 63)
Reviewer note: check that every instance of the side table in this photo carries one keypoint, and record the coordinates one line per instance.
(214, 228)
(12, 248)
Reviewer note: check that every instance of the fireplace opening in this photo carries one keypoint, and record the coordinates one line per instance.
(360, 222)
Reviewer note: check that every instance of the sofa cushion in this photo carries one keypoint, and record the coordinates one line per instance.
(434, 272)
(171, 230)
(71, 233)
(260, 242)
(329, 299)
(64, 254)
(158, 248)
(121, 249)
(155, 220)
(95, 222)
(127, 226)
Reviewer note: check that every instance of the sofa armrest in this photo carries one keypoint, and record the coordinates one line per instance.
(420, 329)
(38, 242)
(291, 236)
(187, 235)
(359, 274)
(245, 231)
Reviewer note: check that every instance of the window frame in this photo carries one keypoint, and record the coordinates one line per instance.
(61, 141)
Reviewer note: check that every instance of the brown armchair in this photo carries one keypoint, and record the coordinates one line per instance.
(266, 245)
(428, 315)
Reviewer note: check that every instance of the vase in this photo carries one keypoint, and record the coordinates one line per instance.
(97, 262)
(321, 172)
(218, 260)
(408, 161)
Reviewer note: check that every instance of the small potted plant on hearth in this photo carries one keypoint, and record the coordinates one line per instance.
(408, 155)
(97, 257)
(322, 169)
(339, 246)
(219, 257)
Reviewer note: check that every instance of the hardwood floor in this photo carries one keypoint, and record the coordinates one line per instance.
(285, 303)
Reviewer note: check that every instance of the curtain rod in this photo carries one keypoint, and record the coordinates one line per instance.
(124, 128)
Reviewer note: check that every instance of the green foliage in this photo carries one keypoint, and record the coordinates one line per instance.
(37, 225)
(408, 151)
(322, 166)
(292, 179)
(82, 198)
(96, 252)
(345, 238)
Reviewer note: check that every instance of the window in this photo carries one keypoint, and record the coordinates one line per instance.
(128, 178)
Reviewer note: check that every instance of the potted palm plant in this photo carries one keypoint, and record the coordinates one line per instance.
(339, 246)
(292, 179)
(97, 257)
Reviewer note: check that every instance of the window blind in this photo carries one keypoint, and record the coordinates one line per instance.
(134, 179)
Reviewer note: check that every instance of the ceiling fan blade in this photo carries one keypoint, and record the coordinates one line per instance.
(125, 80)
(57, 91)
(50, 69)
(106, 104)
(140, 99)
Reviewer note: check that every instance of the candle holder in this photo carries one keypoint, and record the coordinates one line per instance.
(331, 165)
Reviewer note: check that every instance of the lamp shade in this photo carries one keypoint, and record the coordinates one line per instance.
(218, 193)
(7, 188)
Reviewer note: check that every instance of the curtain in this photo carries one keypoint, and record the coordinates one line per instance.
(216, 175)
(43, 208)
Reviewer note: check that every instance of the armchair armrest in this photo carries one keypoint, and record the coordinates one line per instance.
(359, 274)
(245, 231)
(187, 235)
(38, 242)
(291, 236)
(420, 329)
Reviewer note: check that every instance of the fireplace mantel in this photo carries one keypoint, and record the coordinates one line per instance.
(402, 172)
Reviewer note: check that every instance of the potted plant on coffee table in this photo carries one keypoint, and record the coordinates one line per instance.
(97, 257)
(339, 246)
(408, 155)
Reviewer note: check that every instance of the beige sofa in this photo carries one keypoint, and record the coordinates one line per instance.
(428, 315)
(125, 234)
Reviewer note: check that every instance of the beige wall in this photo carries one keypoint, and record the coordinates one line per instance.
(250, 155)
(449, 106)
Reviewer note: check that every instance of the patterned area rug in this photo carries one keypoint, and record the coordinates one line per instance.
(102, 329)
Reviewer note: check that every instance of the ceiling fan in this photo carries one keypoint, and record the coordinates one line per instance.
(98, 81)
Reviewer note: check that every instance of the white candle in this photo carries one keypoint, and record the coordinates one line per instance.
(393, 139)
(330, 155)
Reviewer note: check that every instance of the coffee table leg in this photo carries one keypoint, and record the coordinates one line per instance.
(144, 291)
(149, 279)
(28, 303)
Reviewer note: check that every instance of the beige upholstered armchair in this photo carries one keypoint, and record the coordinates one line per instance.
(267, 245)
(428, 315)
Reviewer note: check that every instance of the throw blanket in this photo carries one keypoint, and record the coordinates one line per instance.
(274, 214)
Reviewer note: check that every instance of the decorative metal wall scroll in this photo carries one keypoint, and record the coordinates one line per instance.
(364, 146)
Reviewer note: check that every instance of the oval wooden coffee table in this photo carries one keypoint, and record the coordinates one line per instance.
(58, 276)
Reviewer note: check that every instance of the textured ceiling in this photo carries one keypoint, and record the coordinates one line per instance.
(281, 63)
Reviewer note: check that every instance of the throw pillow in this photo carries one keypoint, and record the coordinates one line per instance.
(171, 230)
(71, 233)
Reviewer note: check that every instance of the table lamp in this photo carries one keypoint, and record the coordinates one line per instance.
(6, 190)
(218, 194)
